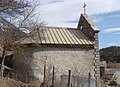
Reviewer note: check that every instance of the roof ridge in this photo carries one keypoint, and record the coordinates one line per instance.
(58, 27)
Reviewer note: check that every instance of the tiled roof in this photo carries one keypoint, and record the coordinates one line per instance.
(58, 35)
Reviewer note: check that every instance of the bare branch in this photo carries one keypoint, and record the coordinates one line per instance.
(22, 14)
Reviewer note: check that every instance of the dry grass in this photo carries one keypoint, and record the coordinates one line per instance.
(113, 65)
(12, 83)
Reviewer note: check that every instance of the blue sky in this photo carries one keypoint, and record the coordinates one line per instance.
(109, 25)
(66, 13)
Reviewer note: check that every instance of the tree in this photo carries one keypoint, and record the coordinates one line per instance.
(13, 7)
(21, 16)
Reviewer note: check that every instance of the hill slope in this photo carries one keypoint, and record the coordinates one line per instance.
(110, 54)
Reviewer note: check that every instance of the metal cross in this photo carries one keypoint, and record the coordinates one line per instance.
(84, 8)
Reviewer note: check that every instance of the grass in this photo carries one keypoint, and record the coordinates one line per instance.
(12, 83)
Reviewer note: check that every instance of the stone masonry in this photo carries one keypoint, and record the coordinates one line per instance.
(83, 58)
(63, 59)
(91, 31)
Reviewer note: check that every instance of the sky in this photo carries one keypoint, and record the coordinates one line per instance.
(66, 13)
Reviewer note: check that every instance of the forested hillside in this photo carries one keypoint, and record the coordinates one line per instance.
(110, 54)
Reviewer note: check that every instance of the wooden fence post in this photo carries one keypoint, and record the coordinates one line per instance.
(44, 73)
(45, 70)
(69, 76)
(89, 78)
(53, 76)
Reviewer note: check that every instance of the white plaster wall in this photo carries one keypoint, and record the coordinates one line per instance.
(62, 58)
